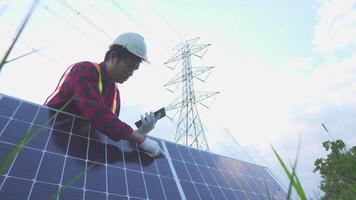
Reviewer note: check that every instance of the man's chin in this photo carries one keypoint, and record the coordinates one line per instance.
(122, 80)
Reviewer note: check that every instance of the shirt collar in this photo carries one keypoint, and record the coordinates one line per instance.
(104, 73)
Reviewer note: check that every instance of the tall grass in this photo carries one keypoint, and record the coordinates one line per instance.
(292, 176)
(294, 182)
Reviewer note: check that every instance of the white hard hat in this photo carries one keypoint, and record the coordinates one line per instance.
(134, 43)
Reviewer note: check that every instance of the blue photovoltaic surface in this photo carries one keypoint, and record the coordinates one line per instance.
(65, 158)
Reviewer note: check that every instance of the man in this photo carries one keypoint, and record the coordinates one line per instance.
(89, 90)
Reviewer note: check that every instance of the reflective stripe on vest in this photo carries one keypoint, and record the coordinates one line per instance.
(100, 86)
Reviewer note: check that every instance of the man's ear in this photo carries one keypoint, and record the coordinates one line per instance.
(113, 57)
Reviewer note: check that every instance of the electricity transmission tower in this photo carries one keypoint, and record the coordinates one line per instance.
(190, 131)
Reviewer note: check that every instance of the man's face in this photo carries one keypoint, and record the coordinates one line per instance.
(123, 69)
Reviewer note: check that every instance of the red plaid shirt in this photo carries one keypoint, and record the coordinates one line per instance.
(80, 82)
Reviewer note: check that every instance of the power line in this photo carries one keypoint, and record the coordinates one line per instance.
(133, 19)
(164, 20)
(157, 72)
(76, 28)
(3, 61)
(104, 14)
(28, 53)
(34, 49)
(84, 18)
(235, 141)
(62, 18)
(73, 26)
(227, 149)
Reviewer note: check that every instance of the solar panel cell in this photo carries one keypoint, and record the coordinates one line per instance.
(70, 194)
(28, 159)
(58, 142)
(73, 167)
(96, 177)
(198, 159)
(217, 193)
(51, 168)
(219, 178)
(163, 167)
(136, 186)
(43, 191)
(38, 137)
(96, 152)
(240, 194)
(132, 160)
(5, 150)
(115, 156)
(194, 173)
(241, 180)
(26, 112)
(63, 122)
(3, 122)
(209, 161)
(254, 185)
(44, 117)
(81, 127)
(261, 197)
(229, 179)
(78, 147)
(8, 106)
(185, 153)
(228, 193)
(173, 151)
(251, 196)
(203, 192)
(170, 189)
(237, 185)
(189, 190)
(154, 187)
(114, 197)
(15, 189)
(208, 177)
(148, 164)
(90, 195)
(116, 181)
(181, 170)
(14, 131)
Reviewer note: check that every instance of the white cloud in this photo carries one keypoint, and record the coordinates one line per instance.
(326, 94)
(336, 28)
(333, 82)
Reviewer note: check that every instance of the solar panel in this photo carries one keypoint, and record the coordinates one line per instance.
(63, 157)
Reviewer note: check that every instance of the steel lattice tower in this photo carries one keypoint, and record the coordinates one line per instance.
(189, 130)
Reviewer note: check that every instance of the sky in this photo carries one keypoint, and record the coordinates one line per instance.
(282, 67)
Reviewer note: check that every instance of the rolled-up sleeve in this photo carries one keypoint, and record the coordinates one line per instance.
(91, 104)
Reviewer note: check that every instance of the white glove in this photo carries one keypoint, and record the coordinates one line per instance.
(148, 123)
(151, 148)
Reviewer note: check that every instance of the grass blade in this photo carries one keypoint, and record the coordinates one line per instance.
(295, 182)
(25, 140)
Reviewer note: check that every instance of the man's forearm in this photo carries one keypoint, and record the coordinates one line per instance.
(136, 137)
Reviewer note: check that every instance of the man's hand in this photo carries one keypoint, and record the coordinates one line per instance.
(151, 148)
(148, 123)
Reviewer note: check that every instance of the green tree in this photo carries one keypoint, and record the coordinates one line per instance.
(338, 171)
